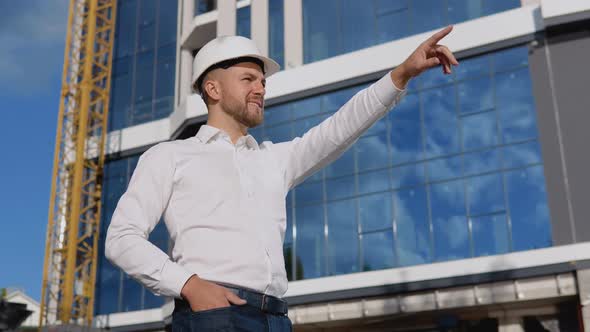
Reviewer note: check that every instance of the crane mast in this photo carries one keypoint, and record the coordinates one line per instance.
(71, 255)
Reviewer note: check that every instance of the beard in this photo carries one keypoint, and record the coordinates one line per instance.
(241, 112)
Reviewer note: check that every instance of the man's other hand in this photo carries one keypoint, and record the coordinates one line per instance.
(429, 54)
(205, 295)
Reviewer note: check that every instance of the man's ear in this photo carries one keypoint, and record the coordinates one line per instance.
(212, 89)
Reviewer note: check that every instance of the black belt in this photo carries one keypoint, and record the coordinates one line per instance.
(266, 303)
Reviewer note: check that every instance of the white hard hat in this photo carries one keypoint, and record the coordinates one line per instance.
(227, 48)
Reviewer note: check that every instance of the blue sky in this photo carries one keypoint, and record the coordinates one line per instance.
(32, 35)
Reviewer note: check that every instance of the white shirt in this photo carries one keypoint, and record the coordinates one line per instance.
(224, 204)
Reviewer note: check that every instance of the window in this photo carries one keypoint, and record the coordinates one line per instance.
(276, 30)
(116, 291)
(436, 179)
(204, 6)
(332, 27)
(243, 22)
(142, 82)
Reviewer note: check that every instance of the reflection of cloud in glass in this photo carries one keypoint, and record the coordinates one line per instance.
(372, 152)
(413, 230)
(510, 58)
(373, 182)
(529, 214)
(310, 240)
(515, 103)
(340, 187)
(433, 77)
(476, 66)
(521, 154)
(511, 97)
(444, 168)
(475, 95)
(408, 175)
(449, 221)
(306, 107)
(451, 238)
(318, 30)
(448, 195)
(406, 132)
(481, 162)
(334, 100)
(375, 212)
(342, 237)
(302, 126)
(440, 121)
(485, 194)
(479, 130)
(490, 235)
(378, 251)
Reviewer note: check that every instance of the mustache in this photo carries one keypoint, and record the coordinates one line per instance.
(259, 101)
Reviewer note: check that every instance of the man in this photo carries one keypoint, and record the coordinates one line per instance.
(222, 195)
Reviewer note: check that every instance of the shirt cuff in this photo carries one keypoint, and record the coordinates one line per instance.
(173, 279)
(388, 94)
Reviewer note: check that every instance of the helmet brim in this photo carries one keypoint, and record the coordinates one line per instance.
(270, 66)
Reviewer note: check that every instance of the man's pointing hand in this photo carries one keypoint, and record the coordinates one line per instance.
(429, 54)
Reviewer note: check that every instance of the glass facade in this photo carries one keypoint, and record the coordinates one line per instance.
(276, 31)
(204, 6)
(454, 171)
(333, 27)
(243, 21)
(144, 62)
(142, 90)
(115, 290)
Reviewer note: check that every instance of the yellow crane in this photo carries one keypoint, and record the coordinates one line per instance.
(69, 271)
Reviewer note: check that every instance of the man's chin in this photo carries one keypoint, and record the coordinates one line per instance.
(255, 118)
(252, 123)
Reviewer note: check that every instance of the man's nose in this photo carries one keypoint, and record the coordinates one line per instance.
(259, 89)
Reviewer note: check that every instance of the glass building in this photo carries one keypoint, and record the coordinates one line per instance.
(463, 209)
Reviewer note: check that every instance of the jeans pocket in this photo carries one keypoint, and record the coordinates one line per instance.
(216, 319)
(210, 311)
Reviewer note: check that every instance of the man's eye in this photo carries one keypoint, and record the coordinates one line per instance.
(246, 79)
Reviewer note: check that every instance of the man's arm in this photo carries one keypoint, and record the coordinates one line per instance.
(137, 213)
(326, 142)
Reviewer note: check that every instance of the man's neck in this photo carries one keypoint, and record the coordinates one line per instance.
(226, 123)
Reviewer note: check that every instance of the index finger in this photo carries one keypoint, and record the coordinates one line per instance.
(434, 39)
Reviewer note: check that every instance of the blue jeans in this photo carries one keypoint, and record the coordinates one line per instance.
(229, 319)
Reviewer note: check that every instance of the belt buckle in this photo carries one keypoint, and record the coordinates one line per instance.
(263, 304)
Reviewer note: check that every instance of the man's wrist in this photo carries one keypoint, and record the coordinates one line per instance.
(185, 288)
(400, 77)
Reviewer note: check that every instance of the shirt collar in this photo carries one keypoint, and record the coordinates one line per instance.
(207, 133)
